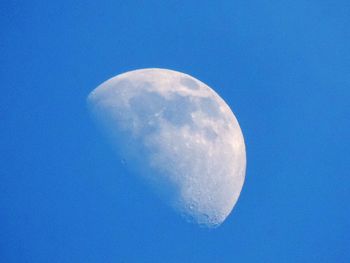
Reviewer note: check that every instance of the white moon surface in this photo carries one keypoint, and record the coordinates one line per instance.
(178, 135)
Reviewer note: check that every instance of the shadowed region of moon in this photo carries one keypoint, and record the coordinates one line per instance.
(180, 137)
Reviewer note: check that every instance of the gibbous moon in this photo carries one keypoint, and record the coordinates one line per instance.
(179, 136)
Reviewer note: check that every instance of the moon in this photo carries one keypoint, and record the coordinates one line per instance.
(179, 136)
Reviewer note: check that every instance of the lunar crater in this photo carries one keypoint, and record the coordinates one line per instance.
(189, 83)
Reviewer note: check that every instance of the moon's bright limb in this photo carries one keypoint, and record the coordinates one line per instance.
(178, 135)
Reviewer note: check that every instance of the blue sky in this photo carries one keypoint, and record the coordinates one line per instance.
(282, 66)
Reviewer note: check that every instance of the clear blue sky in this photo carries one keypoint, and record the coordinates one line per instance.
(282, 66)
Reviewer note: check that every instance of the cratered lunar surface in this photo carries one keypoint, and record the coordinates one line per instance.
(179, 136)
